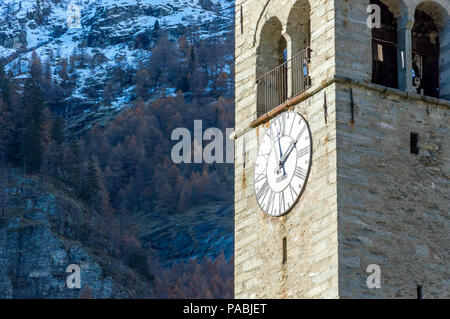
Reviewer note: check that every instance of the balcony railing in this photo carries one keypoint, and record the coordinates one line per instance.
(273, 87)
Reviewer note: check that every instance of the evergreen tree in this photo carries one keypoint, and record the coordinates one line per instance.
(4, 114)
(15, 121)
(33, 105)
(47, 82)
(54, 151)
(63, 73)
(156, 30)
(108, 93)
(36, 67)
(14, 145)
(58, 130)
(91, 185)
(142, 85)
(71, 163)
(157, 26)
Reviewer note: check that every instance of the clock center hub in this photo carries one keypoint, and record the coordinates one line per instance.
(278, 176)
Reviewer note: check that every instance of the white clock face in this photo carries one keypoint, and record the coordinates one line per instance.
(283, 163)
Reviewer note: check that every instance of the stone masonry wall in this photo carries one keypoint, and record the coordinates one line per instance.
(393, 205)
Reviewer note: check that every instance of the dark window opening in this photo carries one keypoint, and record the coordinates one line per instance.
(271, 70)
(425, 54)
(414, 143)
(384, 49)
(419, 292)
(284, 250)
(299, 30)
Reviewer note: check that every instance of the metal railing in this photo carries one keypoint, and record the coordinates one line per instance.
(273, 87)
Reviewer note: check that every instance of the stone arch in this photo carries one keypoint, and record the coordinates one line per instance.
(386, 43)
(397, 7)
(299, 26)
(436, 11)
(298, 30)
(258, 22)
(431, 46)
(270, 54)
(271, 47)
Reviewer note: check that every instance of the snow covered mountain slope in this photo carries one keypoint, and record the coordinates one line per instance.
(115, 31)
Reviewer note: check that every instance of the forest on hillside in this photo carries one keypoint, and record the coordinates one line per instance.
(122, 168)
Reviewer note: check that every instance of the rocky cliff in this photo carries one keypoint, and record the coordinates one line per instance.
(41, 234)
(204, 231)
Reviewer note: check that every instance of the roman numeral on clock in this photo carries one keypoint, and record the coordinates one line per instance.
(262, 191)
(260, 177)
(282, 203)
(294, 194)
(270, 202)
(300, 173)
(301, 132)
(283, 125)
(303, 152)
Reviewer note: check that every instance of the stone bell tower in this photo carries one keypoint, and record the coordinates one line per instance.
(372, 78)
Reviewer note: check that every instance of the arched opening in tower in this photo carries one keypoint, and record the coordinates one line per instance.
(271, 67)
(385, 48)
(426, 49)
(299, 32)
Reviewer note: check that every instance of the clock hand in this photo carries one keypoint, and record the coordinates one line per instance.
(281, 155)
(272, 135)
(286, 155)
(279, 145)
(288, 152)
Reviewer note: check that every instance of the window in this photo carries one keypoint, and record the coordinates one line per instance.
(271, 71)
(414, 143)
(384, 49)
(431, 49)
(426, 54)
(284, 250)
(419, 292)
(299, 32)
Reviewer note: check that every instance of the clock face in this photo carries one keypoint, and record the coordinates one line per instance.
(283, 163)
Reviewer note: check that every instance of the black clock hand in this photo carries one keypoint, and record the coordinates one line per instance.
(281, 155)
(288, 152)
(272, 146)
